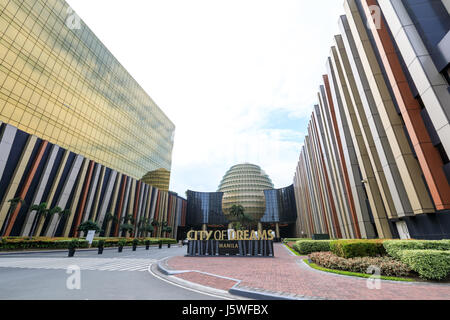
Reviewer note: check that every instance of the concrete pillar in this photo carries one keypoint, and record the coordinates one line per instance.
(204, 227)
(277, 230)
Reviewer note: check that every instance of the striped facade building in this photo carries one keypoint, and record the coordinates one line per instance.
(77, 132)
(375, 162)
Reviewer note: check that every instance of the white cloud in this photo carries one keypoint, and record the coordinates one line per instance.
(221, 70)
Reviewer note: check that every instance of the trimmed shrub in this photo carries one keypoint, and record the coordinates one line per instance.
(309, 246)
(286, 240)
(25, 243)
(429, 264)
(357, 248)
(388, 266)
(394, 247)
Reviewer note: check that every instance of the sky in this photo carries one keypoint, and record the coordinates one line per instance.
(239, 79)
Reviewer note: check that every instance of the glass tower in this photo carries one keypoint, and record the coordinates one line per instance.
(60, 83)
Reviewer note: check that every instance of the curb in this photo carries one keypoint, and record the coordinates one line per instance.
(246, 292)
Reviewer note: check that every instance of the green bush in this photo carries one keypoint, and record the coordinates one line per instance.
(357, 248)
(429, 264)
(394, 247)
(309, 246)
(26, 243)
(286, 240)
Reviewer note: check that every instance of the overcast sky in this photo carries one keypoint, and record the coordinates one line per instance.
(239, 79)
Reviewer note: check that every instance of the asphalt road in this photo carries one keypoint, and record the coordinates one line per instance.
(111, 276)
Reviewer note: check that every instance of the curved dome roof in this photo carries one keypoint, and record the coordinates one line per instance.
(244, 185)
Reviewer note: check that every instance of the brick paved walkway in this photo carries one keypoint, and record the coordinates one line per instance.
(288, 275)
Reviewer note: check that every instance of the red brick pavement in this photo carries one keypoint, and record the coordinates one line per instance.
(286, 274)
(207, 280)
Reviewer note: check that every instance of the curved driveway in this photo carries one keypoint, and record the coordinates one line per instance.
(113, 275)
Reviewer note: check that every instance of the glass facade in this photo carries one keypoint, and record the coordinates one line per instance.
(280, 206)
(60, 83)
(204, 208)
(158, 178)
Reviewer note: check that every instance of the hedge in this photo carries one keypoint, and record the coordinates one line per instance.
(394, 247)
(388, 266)
(309, 246)
(286, 240)
(429, 264)
(25, 243)
(357, 248)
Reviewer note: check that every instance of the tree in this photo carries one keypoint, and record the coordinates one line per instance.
(63, 214)
(155, 223)
(148, 229)
(89, 225)
(247, 220)
(110, 218)
(127, 227)
(144, 226)
(167, 230)
(13, 203)
(41, 211)
(237, 211)
(244, 220)
(128, 219)
(53, 211)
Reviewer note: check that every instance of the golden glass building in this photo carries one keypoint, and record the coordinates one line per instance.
(58, 81)
(77, 132)
(158, 178)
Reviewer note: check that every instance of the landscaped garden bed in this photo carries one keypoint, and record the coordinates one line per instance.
(417, 259)
(36, 243)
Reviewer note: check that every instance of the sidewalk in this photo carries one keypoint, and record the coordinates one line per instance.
(288, 276)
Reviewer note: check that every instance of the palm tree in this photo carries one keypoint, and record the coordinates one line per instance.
(12, 207)
(167, 230)
(247, 220)
(237, 211)
(243, 220)
(148, 229)
(110, 218)
(128, 224)
(50, 214)
(89, 225)
(141, 225)
(41, 210)
(62, 214)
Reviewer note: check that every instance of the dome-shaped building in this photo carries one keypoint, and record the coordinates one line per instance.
(244, 185)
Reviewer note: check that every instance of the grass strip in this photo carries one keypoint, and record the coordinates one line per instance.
(355, 274)
(292, 250)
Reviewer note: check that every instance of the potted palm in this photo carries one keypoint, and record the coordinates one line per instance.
(135, 243)
(89, 225)
(121, 243)
(101, 244)
(147, 244)
(73, 245)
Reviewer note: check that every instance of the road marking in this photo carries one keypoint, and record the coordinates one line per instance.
(97, 264)
(184, 287)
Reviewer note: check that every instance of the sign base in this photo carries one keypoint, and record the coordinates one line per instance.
(230, 248)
